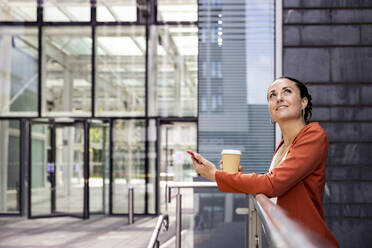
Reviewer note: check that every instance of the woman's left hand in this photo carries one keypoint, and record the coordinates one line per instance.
(205, 168)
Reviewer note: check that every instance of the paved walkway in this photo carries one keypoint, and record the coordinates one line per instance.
(98, 231)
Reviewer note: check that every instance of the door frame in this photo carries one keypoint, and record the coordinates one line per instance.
(53, 124)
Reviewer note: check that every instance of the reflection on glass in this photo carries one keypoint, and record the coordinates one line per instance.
(9, 166)
(175, 163)
(67, 71)
(120, 70)
(113, 10)
(98, 166)
(69, 169)
(260, 38)
(129, 164)
(177, 10)
(40, 178)
(18, 10)
(18, 71)
(67, 10)
(57, 169)
(209, 218)
(173, 80)
(236, 61)
(214, 221)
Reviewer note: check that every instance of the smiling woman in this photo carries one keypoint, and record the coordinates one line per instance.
(289, 99)
(296, 177)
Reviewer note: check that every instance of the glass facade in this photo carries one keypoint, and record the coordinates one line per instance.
(18, 71)
(173, 70)
(66, 10)
(66, 71)
(129, 164)
(56, 169)
(10, 166)
(99, 166)
(18, 10)
(109, 100)
(176, 10)
(112, 10)
(120, 70)
(237, 59)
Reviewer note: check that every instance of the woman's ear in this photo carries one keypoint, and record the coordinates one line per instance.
(304, 102)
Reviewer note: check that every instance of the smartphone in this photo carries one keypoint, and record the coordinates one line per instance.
(193, 155)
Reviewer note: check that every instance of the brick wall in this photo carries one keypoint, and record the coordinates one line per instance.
(328, 44)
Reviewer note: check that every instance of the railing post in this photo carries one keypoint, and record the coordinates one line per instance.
(178, 218)
(130, 205)
(254, 228)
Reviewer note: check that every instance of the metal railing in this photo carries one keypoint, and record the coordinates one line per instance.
(162, 220)
(178, 186)
(279, 229)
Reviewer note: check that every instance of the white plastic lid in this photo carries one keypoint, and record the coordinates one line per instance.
(231, 152)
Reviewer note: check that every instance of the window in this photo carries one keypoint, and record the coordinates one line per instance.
(18, 71)
(67, 71)
(120, 71)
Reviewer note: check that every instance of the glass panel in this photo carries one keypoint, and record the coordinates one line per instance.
(41, 170)
(67, 71)
(173, 80)
(70, 169)
(209, 218)
(98, 166)
(18, 10)
(214, 222)
(177, 10)
(112, 10)
(67, 10)
(120, 70)
(237, 66)
(18, 71)
(151, 187)
(9, 166)
(128, 164)
(175, 163)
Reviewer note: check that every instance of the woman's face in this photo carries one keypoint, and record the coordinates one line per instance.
(285, 101)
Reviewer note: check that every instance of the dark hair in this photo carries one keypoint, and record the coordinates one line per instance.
(304, 93)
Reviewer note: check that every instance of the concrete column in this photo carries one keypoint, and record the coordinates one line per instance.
(5, 82)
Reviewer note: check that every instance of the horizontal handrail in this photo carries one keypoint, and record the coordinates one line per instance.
(283, 231)
(163, 219)
(192, 185)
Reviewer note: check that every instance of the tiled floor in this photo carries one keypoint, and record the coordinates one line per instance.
(97, 232)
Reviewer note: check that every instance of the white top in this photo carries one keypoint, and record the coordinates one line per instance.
(231, 152)
(274, 199)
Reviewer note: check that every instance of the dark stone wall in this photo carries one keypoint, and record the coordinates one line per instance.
(328, 44)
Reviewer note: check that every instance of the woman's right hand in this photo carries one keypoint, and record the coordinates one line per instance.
(239, 170)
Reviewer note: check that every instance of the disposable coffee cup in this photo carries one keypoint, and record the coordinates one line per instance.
(231, 160)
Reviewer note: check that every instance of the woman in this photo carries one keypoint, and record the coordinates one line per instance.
(297, 172)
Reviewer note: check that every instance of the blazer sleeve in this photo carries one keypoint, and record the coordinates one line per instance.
(306, 154)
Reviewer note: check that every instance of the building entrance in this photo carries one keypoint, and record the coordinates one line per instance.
(58, 171)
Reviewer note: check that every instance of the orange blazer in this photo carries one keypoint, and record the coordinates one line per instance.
(298, 181)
